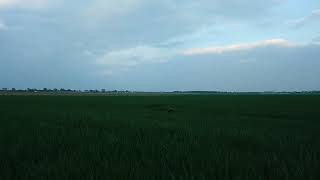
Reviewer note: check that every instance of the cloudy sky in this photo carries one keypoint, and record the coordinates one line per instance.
(225, 45)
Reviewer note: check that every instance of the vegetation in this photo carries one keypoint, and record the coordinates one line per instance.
(160, 137)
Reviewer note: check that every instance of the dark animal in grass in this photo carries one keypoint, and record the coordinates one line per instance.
(170, 109)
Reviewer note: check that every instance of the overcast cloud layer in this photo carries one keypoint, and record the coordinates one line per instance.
(229, 45)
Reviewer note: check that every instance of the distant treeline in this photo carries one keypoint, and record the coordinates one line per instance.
(56, 90)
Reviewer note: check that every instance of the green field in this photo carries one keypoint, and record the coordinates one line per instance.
(135, 137)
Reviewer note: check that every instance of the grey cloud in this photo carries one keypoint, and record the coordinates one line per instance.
(152, 22)
(133, 22)
(59, 48)
(316, 39)
(300, 22)
(3, 26)
(266, 69)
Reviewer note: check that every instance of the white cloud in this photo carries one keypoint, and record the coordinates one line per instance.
(135, 56)
(8, 3)
(30, 4)
(149, 54)
(237, 47)
(299, 22)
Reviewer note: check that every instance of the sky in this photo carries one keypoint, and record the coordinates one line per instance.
(167, 45)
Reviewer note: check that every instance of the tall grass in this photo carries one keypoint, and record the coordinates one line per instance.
(134, 137)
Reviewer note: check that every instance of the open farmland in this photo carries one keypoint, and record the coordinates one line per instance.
(160, 137)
